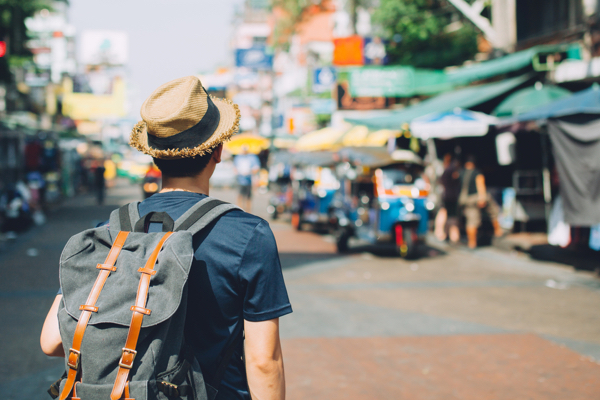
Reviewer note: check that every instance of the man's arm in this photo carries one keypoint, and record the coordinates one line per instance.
(264, 360)
(50, 339)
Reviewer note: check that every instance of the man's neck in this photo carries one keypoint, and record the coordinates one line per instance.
(195, 184)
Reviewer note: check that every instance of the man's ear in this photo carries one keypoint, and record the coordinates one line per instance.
(217, 152)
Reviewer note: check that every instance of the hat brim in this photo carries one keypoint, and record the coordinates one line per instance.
(229, 123)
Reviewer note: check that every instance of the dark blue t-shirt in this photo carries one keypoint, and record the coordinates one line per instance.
(235, 275)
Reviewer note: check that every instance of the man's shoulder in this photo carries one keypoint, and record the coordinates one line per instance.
(242, 219)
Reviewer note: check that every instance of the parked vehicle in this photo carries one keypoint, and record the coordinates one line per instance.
(382, 200)
(314, 184)
(280, 184)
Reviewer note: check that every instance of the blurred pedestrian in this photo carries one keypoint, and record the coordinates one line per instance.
(473, 199)
(99, 181)
(447, 217)
(246, 166)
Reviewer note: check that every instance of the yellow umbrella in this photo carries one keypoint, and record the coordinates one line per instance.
(285, 142)
(322, 139)
(254, 143)
(380, 138)
(355, 137)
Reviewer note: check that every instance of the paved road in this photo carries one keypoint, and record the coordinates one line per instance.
(453, 325)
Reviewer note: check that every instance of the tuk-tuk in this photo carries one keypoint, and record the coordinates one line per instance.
(383, 199)
(280, 184)
(314, 184)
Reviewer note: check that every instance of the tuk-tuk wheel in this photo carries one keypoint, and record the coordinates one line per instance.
(341, 241)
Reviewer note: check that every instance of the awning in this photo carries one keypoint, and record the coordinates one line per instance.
(451, 124)
(464, 98)
(529, 99)
(583, 102)
(322, 139)
(509, 63)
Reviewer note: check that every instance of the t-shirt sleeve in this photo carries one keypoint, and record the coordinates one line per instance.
(265, 295)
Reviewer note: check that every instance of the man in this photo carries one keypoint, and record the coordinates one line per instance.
(474, 197)
(246, 166)
(448, 214)
(236, 275)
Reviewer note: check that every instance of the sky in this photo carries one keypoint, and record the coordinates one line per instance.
(168, 39)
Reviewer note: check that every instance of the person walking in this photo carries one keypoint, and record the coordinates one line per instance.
(447, 216)
(235, 277)
(473, 198)
(99, 181)
(246, 166)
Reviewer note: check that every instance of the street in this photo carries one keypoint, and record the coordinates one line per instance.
(455, 324)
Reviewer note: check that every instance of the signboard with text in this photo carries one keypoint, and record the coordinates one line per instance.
(395, 81)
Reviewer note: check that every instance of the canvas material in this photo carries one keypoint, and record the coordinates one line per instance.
(161, 348)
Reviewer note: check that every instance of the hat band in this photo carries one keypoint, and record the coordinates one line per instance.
(191, 137)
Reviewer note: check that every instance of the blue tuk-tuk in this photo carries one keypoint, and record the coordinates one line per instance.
(314, 185)
(382, 200)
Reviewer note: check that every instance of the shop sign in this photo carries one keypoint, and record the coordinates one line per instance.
(322, 106)
(254, 58)
(323, 79)
(395, 82)
(374, 51)
(348, 51)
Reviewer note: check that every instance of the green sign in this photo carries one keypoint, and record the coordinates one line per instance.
(396, 81)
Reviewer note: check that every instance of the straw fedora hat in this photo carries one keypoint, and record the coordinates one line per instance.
(181, 120)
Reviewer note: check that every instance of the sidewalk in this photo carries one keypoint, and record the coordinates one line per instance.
(536, 245)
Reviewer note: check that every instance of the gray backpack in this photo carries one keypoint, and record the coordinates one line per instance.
(123, 311)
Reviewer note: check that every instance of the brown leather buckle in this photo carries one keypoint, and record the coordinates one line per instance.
(107, 267)
(86, 307)
(127, 362)
(148, 271)
(73, 364)
(141, 310)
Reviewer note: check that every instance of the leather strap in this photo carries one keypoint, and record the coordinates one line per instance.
(129, 352)
(127, 395)
(73, 357)
(124, 218)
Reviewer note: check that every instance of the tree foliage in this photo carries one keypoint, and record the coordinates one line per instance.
(418, 35)
(12, 29)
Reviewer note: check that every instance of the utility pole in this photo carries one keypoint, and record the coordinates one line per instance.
(502, 34)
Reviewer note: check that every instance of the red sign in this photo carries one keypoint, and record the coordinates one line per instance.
(348, 51)
(2, 48)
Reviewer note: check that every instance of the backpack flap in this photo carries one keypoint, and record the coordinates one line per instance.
(78, 272)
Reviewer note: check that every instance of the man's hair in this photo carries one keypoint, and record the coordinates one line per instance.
(183, 167)
(471, 158)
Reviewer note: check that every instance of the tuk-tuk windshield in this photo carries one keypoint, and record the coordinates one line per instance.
(395, 177)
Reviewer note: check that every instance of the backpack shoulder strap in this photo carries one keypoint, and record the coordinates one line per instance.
(124, 218)
(202, 214)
